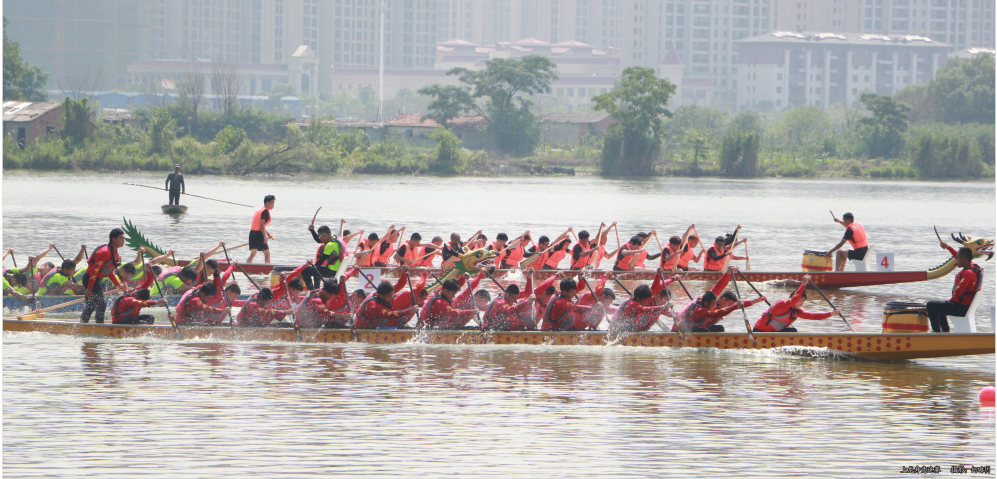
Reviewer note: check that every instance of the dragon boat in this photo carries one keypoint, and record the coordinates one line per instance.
(876, 346)
(824, 279)
(43, 302)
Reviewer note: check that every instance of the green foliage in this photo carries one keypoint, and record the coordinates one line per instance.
(445, 158)
(230, 138)
(882, 133)
(802, 132)
(355, 140)
(946, 153)
(20, 80)
(637, 102)
(503, 86)
(739, 153)
(162, 132)
(277, 91)
(76, 117)
(963, 90)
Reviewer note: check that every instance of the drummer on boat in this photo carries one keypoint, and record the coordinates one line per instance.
(967, 283)
(855, 236)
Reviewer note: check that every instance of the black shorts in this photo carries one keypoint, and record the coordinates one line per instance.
(256, 241)
(858, 254)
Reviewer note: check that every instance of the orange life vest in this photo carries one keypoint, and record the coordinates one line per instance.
(859, 238)
(582, 261)
(669, 263)
(622, 262)
(710, 264)
(258, 219)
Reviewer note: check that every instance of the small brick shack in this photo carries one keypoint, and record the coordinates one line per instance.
(25, 121)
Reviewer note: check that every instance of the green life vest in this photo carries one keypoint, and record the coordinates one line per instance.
(56, 283)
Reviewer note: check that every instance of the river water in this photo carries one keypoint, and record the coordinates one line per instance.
(85, 407)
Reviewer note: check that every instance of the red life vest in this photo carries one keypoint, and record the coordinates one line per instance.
(304, 315)
(710, 264)
(622, 262)
(362, 316)
(971, 292)
(772, 323)
(859, 238)
(411, 253)
(426, 316)
(582, 261)
(106, 268)
(515, 255)
(426, 262)
(181, 316)
(385, 257)
(557, 324)
(258, 223)
(554, 257)
(666, 263)
(687, 255)
(116, 315)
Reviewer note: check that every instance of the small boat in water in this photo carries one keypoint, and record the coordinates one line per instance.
(876, 346)
(174, 209)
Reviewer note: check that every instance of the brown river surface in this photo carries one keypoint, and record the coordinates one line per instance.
(87, 407)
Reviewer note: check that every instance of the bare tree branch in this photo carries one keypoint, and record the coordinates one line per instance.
(227, 86)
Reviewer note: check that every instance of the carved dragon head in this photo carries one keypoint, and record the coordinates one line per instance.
(470, 262)
(980, 246)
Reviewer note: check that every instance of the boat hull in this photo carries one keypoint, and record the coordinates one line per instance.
(174, 209)
(831, 279)
(48, 301)
(876, 346)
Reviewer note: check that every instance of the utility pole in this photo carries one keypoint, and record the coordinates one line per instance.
(380, 73)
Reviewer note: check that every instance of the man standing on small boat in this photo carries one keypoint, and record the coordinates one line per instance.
(174, 184)
(967, 283)
(258, 234)
(855, 235)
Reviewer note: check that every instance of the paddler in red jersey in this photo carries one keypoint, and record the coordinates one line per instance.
(637, 313)
(439, 311)
(102, 264)
(193, 306)
(703, 314)
(258, 310)
(403, 296)
(559, 313)
(781, 315)
(968, 282)
(127, 308)
(508, 312)
(463, 299)
(376, 310)
(855, 236)
(603, 296)
(325, 308)
(258, 233)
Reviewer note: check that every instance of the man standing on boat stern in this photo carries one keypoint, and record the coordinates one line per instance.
(102, 264)
(855, 235)
(174, 184)
(258, 234)
(967, 284)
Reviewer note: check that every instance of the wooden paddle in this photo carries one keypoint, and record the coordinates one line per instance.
(596, 298)
(674, 321)
(169, 314)
(832, 305)
(195, 196)
(753, 287)
(532, 259)
(747, 324)
(294, 317)
(477, 314)
(38, 313)
(730, 254)
(316, 215)
(231, 322)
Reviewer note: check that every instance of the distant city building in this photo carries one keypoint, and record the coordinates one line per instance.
(790, 69)
(960, 23)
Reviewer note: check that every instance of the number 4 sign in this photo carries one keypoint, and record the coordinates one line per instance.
(884, 261)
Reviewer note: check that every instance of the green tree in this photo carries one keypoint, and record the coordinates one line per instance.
(230, 138)
(278, 91)
(803, 131)
(637, 102)
(76, 117)
(162, 132)
(963, 90)
(739, 153)
(504, 85)
(883, 132)
(446, 155)
(20, 80)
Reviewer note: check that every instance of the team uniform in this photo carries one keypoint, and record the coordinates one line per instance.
(967, 283)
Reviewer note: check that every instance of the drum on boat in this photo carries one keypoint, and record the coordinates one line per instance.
(277, 271)
(902, 317)
(816, 261)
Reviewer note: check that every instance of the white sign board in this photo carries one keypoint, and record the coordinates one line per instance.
(884, 261)
(374, 275)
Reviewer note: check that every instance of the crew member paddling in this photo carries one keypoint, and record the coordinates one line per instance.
(102, 264)
(127, 308)
(439, 311)
(328, 258)
(258, 310)
(193, 306)
(637, 313)
(784, 312)
(582, 253)
(855, 236)
(717, 254)
(703, 314)
(315, 310)
(560, 313)
(968, 282)
(376, 311)
(258, 233)
(508, 313)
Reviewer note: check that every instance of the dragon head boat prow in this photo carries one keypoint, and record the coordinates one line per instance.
(980, 247)
(470, 262)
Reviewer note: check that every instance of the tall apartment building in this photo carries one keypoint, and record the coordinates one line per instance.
(789, 69)
(80, 42)
(960, 23)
